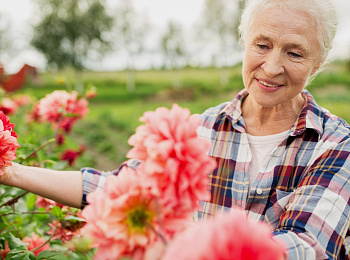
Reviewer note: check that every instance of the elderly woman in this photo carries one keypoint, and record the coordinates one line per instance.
(281, 157)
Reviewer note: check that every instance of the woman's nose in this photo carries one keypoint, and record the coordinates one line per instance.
(273, 64)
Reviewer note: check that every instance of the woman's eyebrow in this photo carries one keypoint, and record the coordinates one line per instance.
(295, 45)
(298, 46)
(262, 37)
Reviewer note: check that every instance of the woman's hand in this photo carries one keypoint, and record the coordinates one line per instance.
(7, 173)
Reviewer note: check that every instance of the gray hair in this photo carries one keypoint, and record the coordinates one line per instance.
(322, 13)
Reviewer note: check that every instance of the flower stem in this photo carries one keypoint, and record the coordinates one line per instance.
(155, 232)
(56, 133)
(38, 149)
(28, 212)
(14, 200)
(48, 240)
(160, 221)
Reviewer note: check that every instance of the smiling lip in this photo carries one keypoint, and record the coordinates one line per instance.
(268, 85)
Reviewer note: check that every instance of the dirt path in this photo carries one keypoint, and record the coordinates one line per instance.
(103, 163)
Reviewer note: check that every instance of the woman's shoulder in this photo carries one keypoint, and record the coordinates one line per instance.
(334, 132)
(214, 111)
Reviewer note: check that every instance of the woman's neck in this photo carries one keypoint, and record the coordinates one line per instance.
(261, 121)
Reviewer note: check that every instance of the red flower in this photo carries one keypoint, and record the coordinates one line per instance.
(91, 94)
(7, 125)
(34, 115)
(71, 155)
(60, 139)
(4, 252)
(8, 142)
(34, 242)
(8, 106)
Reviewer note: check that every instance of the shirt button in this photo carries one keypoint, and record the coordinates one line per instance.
(259, 191)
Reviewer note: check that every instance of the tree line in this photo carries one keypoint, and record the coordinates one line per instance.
(76, 33)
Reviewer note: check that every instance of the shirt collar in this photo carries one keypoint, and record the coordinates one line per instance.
(311, 116)
(233, 109)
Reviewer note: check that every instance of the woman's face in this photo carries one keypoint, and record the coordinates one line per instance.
(281, 52)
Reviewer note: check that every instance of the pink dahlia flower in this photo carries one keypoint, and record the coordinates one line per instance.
(22, 100)
(228, 235)
(8, 106)
(119, 217)
(34, 242)
(65, 230)
(62, 107)
(175, 161)
(48, 204)
(8, 142)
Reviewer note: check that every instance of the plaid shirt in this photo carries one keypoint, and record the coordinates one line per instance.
(302, 190)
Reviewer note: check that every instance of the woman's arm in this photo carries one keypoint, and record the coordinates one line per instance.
(65, 187)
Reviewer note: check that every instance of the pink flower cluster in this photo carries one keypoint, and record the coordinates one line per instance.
(64, 230)
(175, 163)
(34, 242)
(10, 105)
(63, 108)
(116, 217)
(8, 142)
(146, 213)
(138, 208)
(229, 235)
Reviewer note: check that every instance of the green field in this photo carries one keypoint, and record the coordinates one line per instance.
(114, 113)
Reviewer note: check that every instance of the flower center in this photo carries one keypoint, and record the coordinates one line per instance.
(137, 219)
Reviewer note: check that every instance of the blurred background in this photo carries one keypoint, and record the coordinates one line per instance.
(141, 34)
(138, 55)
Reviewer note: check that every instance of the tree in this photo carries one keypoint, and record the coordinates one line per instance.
(220, 27)
(172, 45)
(69, 32)
(131, 32)
(5, 39)
(220, 22)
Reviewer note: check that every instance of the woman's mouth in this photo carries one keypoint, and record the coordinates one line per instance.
(269, 84)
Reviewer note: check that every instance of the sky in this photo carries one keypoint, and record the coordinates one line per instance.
(159, 12)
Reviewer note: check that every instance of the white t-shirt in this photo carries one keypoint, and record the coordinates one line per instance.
(261, 147)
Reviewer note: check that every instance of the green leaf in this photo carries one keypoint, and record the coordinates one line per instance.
(58, 255)
(30, 200)
(57, 212)
(18, 254)
(15, 242)
(48, 255)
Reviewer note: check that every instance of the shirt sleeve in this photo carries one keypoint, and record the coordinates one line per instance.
(316, 220)
(94, 179)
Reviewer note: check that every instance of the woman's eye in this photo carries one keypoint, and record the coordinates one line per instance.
(295, 55)
(262, 46)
